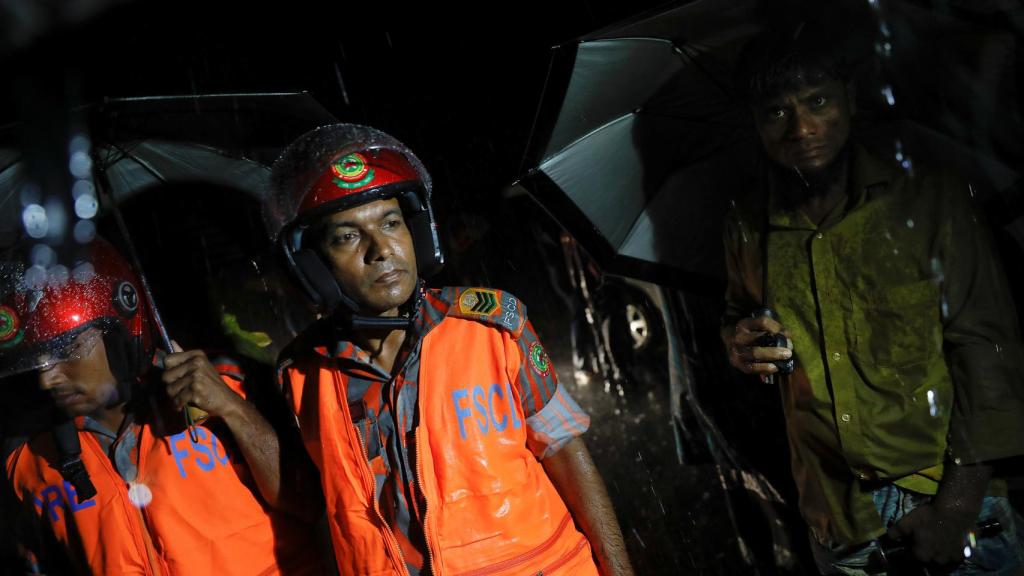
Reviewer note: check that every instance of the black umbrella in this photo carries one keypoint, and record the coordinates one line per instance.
(641, 141)
(637, 124)
(137, 143)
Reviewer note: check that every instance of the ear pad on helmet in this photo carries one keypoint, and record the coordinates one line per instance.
(420, 222)
(317, 279)
(428, 252)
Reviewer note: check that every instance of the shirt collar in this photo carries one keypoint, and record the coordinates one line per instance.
(868, 176)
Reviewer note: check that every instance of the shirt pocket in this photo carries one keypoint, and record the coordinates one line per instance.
(370, 435)
(898, 325)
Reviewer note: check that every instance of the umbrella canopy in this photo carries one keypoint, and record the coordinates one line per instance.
(641, 142)
(224, 139)
(638, 122)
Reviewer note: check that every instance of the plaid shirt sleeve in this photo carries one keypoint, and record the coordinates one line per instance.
(553, 418)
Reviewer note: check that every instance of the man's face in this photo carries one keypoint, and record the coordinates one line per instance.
(805, 128)
(370, 252)
(82, 384)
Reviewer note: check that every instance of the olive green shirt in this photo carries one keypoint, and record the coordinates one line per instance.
(904, 332)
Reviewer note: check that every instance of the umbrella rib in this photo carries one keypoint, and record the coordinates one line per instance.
(685, 55)
(145, 165)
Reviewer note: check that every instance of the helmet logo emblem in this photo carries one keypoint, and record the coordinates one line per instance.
(10, 328)
(352, 171)
(126, 298)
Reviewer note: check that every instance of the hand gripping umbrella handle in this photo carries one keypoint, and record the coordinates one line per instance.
(192, 413)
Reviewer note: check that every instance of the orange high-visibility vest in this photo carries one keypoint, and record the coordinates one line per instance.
(490, 507)
(192, 510)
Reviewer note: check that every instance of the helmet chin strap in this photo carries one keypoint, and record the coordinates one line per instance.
(350, 319)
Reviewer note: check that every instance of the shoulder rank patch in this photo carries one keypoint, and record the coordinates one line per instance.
(479, 302)
(487, 305)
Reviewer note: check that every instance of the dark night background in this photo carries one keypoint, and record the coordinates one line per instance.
(460, 86)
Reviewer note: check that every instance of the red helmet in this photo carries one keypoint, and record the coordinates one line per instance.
(44, 311)
(335, 168)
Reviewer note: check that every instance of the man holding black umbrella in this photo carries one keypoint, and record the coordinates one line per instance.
(873, 297)
(119, 487)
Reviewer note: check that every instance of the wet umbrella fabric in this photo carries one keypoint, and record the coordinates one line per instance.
(225, 139)
(638, 120)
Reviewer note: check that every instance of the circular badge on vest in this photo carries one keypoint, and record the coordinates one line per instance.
(352, 171)
(10, 327)
(126, 298)
(539, 359)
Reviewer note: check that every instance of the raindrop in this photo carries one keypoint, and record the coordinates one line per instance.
(883, 27)
(638, 538)
(910, 223)
(59, 275)
(86, 206)
(34, 218)
(999, 349)
(889, 97)
(970, 188)
(908, 166)
(80, 165)
(896, 251)
(43, 255)
(83, 272)
(81, 188)
(85, 231)
(945, 307)
(56, 217)
(967, 551)
(31, 194)
(78, 143)
(139, 494)
(933, 407)
(35, 278)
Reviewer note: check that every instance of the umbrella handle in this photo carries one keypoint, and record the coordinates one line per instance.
(192, 414)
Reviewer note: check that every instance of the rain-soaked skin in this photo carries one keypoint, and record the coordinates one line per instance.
(84, 384)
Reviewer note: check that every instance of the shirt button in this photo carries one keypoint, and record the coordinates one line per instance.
(846, 417)
(819, 235)
(836, 356)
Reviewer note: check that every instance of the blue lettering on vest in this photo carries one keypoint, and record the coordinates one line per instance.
(179, 455)
(51, 498)
(72, 498)
(496, 389)
(203, 453)
(486, 412)
(481, 410)
(216, 442)
(516, 422)
(208, 464)
(460, 412)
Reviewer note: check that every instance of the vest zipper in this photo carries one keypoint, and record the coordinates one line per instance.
(565, 558)
(141, 541)
(522, 558)
(389, 538)
(154, 559)
(435, 570)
